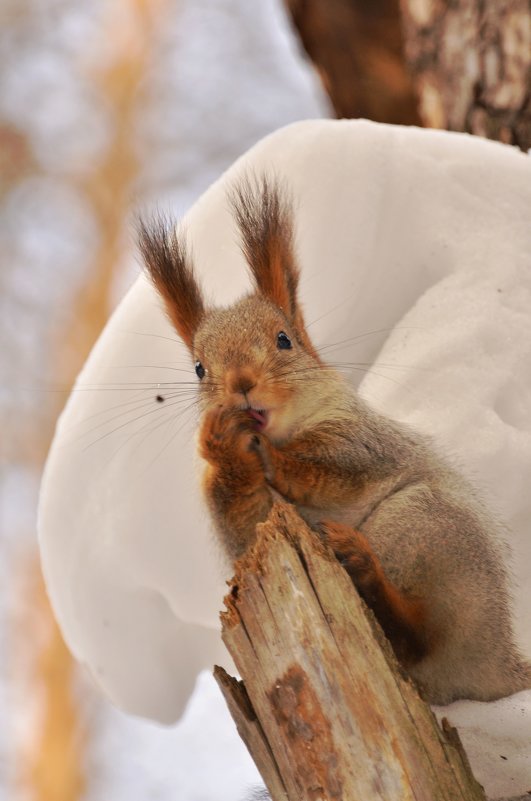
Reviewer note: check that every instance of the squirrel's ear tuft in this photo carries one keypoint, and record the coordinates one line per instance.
(164, 253)
(264, 215)
(265, 219)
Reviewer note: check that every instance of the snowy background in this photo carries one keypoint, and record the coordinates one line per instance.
(203, 81)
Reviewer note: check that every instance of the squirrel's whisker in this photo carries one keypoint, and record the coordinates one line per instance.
(158, 409)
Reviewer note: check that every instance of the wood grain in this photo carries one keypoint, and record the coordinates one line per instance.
(324, 707)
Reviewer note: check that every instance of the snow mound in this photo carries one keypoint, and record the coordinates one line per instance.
(415, 248)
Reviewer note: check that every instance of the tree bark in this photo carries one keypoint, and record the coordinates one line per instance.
(324, 707)
(471, 62)
(357, 49)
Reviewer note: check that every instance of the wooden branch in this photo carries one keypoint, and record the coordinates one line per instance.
(471, 63)
(357, 49)
(324, 708)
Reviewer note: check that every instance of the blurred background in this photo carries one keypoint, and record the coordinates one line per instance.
(111, 107)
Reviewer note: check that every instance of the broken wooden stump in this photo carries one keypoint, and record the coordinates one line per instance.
(323, 706)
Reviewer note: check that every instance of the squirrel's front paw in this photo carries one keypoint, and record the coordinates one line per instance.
(355, 554)
(263, 448)
(228, 434)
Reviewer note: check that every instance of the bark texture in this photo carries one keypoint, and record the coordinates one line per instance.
(324, 708)
(471, 61)
(357, 49)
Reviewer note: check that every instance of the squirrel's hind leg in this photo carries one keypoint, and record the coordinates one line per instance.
(402, 618)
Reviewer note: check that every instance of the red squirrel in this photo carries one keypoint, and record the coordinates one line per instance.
(277, 421)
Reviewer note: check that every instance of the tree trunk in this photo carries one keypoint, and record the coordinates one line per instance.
(357, 49)
(324, 707)
(471, 63)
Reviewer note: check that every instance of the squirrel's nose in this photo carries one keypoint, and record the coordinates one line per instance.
(242, 382)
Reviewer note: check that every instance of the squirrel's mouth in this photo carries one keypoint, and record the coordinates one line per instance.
(261, 417)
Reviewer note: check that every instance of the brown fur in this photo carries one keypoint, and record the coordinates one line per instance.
(263, 213)
(164, 253)
(402, 618)
(409, 530)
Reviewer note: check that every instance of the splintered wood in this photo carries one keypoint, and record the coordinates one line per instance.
(324, 708)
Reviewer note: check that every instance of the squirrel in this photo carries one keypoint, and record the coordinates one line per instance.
(417, 543)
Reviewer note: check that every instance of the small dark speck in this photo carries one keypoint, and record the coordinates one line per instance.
(502, 757)
(159, 399)
(499, 290)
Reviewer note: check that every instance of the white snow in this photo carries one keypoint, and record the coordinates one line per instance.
(202, 758)
(414, 243)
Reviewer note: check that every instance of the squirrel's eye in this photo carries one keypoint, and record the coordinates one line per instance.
(283, 341)
(200, 370)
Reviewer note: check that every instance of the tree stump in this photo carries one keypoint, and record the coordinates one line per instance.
(324, 708)
(471, 63)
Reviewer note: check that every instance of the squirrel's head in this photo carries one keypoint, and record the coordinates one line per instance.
(256, 354)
